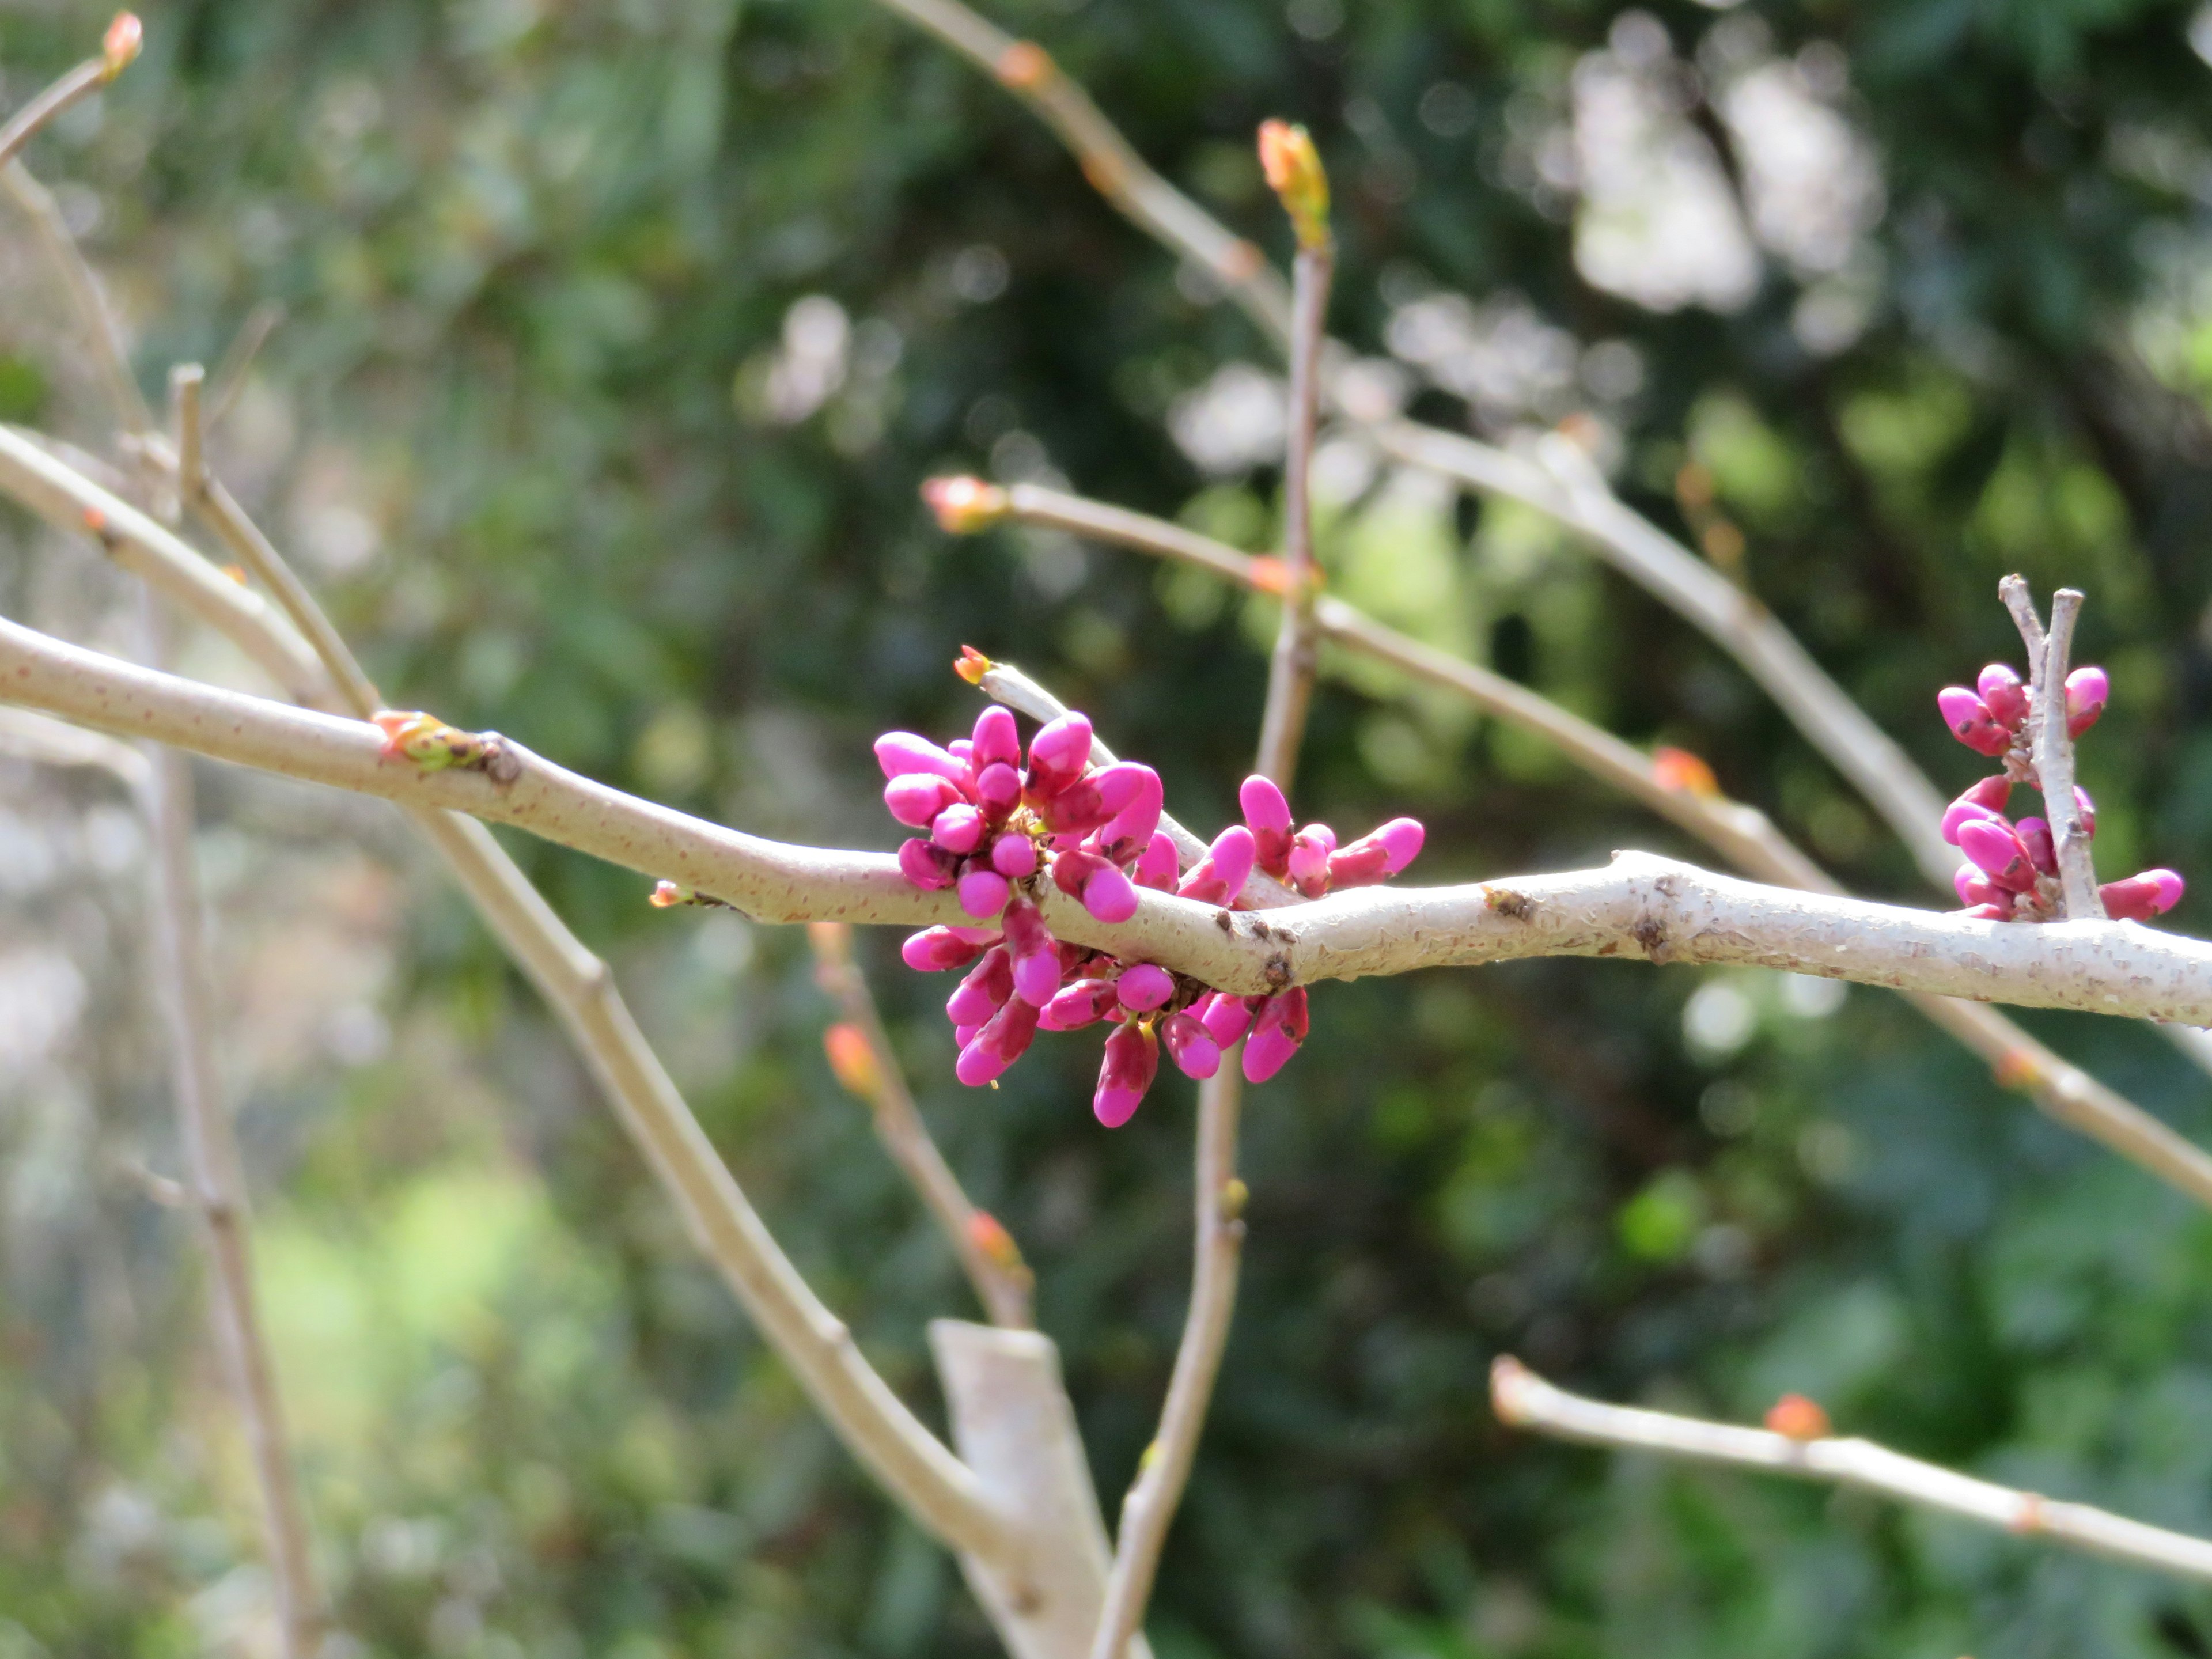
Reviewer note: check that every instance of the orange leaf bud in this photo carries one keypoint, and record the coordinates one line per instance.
(121, 43)
(1686, 774)
(1294, 173)
(853, 1060)
(971, 664)
(964, 505)
(1796, 1418)
(988, 1235)
(667, 895)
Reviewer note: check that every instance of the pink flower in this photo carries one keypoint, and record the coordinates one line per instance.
(1190, 1045)
(985, 990)
(2087, 809)
(1376, 855)
(1144, 988)
(935, 949)
(1225, 1017)
(1014, 856)
(1971, 721)
(1084, 1003)
(1308, 862)
(1001, 1041)
(1986, 799)
(983, 892)
(902, 752)
(1268, 815)
(2087, 688)
(1058, 755)
(2140, 897)
(2035, 835)
(1037, 963)
(997, 741)
(957, 829)
(1157, 867)
(1998, 852)
(998, 789)
(1133, 1060)
(1220, 876)
(1104, 890)
(2003, 696)
(927, 868)
(1136, 818)
(1277, 1030)
(915, 798)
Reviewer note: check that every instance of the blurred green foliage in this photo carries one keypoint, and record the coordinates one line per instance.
(536, 419)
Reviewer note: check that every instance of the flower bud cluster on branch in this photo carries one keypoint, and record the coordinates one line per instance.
(999, 824)
(2011, 871)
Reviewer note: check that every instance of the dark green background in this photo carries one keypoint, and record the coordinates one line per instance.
(526, 251)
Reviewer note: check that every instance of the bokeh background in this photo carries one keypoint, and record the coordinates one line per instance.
(614, 341)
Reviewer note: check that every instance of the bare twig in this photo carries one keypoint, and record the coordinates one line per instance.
(1165, 1469)
(2054, 764)
(1003, 1283)
(1291, 673)
(1739, 833)
(1526, 1400)
(218, 1186)
(229, 377)
(110, 357)
(75, 86)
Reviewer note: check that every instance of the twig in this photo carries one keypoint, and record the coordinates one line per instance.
(2054, 764)
(1741, 834)
(229, 377)
(1526, 1400)
(1165, 1469)
(1291, 673)
(1655, 907)
(212, 1161)
(46, 742)
(1108, 161)
(1003, 1283)
(110, 358)
(74, 86)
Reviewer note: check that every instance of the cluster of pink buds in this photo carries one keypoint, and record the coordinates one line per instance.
(996, 824)
(2011, 871)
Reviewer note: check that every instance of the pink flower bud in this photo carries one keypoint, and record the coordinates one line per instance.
(1037, 963)
(1277, 1030)
(996, 743)
(1971, 884)
(1959, 812)
(1268, 815)
(2086, 810)
(1145, 988)
(1059, 754)
(1220, 876)
(2087, 688)
(1998, 853)
(1014, 856)
(1075, 810)
(1308, 863)
(964, 1034)
(1378, 854)
(1136, 821)
(1133, 1060)
(1191, 1046)
(957, 829)
(2140, 897)
(1158, 867)
(1225, 1017)
(935, 949)
(925, 866)
(2003, 696)
(999, 788)
(900, 752)
(1971, 721)
(916, 798)
(987, 985)
(2035, 835)
(1084, 1003)
(1998, 909)
(998, 1045)
(983, 892)
(1104, 890)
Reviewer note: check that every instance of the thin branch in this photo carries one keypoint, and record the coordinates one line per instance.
(110, 357)
(218, 1188)
(1643, 905)
(1290, 673)
(1741, 834)
(47, 742)
(75, 86)
(1002, 1282)
(229, 377)
(1108, 161)
(1164, 1470)
(1526, 1400)
(2054, 764)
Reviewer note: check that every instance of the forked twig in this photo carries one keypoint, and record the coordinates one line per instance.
(987, 1252)
(1525, 1400)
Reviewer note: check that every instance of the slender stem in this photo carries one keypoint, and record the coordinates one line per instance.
(110, 357)
(229, 377)
(1165, 1469)
(1740, 834)
(2054, 765)
(1526, 1400)
(216, 1184)
(1290, 674)
(74, 86)
(1003, 1286)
